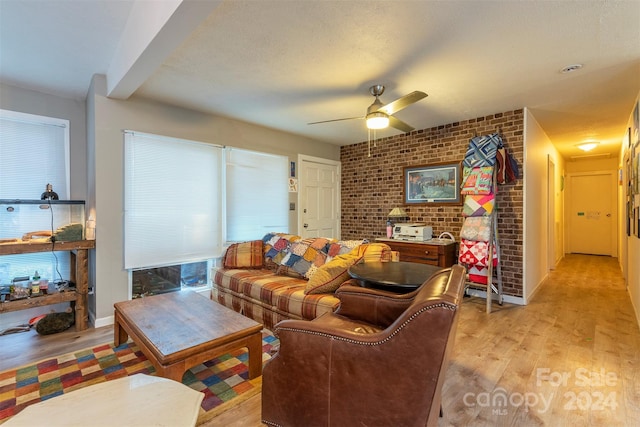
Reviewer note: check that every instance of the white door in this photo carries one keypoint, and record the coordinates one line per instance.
(593, 214)
(318, 197)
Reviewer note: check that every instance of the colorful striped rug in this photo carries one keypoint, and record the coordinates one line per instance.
(223, 379)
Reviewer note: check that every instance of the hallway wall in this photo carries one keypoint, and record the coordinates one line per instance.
(631, 263)
(538, 150)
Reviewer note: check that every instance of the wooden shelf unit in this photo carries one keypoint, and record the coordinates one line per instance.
(78, 252)
(423, 252)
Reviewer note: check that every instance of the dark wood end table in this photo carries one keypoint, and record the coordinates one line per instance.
(398, 277)
(179, 330)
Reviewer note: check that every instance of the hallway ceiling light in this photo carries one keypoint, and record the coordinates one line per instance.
(588, 146)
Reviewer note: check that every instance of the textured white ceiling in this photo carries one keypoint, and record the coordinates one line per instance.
(283, 64)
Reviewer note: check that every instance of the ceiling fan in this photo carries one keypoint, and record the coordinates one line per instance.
(380, 115)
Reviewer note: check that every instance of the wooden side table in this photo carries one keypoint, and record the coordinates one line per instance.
(398, 277)
(438, 252)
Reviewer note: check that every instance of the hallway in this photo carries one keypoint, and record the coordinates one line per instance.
(570, 357)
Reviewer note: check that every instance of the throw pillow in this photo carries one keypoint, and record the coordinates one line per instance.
(374, 252)
(331, 275)
(244, 255)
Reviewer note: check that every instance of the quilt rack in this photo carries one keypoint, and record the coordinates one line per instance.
(485, 164)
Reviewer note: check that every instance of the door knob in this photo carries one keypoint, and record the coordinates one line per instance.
(306, 225)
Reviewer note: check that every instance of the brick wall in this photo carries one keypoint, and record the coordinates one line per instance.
(372, 186)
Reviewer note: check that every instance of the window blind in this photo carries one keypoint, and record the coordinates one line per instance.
(34, 152)
(257, 194)
(173, 205)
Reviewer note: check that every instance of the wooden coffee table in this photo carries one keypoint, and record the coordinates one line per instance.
(179, 330)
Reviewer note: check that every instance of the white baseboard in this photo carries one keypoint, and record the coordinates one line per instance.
(505, 298)
(104, 321)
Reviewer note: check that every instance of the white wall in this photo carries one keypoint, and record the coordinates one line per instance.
(537, 150)
(632, 260)
(108, 118)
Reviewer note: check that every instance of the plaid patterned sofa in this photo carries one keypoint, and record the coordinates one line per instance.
(284, 276)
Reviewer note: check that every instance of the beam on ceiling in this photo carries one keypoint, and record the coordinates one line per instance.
(154, 29)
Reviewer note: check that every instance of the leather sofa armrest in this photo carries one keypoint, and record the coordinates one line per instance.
(377, 307)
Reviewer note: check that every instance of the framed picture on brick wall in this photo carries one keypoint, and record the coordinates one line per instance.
(434, 184)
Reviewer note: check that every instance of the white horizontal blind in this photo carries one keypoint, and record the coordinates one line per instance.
(257, 194)
(173, 205)
(34, 152)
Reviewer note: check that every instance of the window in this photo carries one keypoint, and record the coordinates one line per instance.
(179, 195)
(34, 152)
(256, 194)
(173, 206)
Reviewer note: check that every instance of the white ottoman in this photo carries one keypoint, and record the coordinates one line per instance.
(137, 400)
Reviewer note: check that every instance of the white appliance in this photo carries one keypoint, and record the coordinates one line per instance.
(416, 232)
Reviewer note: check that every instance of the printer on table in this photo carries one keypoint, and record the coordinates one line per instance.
(416, 232)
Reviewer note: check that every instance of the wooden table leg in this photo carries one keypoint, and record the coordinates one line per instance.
(120, 336)
(254, 345)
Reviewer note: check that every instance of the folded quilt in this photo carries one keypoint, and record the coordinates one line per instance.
(475, 253)
(478, 204)
(482, 150)
(477, 228)
(477, 180)
(304, 256)
(478, 274)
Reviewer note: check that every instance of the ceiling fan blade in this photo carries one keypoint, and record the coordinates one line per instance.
(403, 102)
(336, 120)
(399, 124)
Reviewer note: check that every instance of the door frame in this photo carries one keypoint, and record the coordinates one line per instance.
(551, 214)
(302, 158)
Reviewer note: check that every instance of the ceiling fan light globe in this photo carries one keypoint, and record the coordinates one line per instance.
(377, 120)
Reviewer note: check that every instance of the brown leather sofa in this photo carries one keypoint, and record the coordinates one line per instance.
(379, 360)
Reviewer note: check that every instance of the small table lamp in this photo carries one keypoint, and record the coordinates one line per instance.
(397, 213)
(393, 217)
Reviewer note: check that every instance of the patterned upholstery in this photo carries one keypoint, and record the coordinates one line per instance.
(268, 297)
(277, 291)
(244, 255)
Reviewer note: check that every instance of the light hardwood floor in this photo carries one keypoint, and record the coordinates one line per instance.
(571, 357)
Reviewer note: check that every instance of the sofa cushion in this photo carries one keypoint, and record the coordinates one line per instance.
(279, 293)
(328, 277)
(375, 252)
(244, 255)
